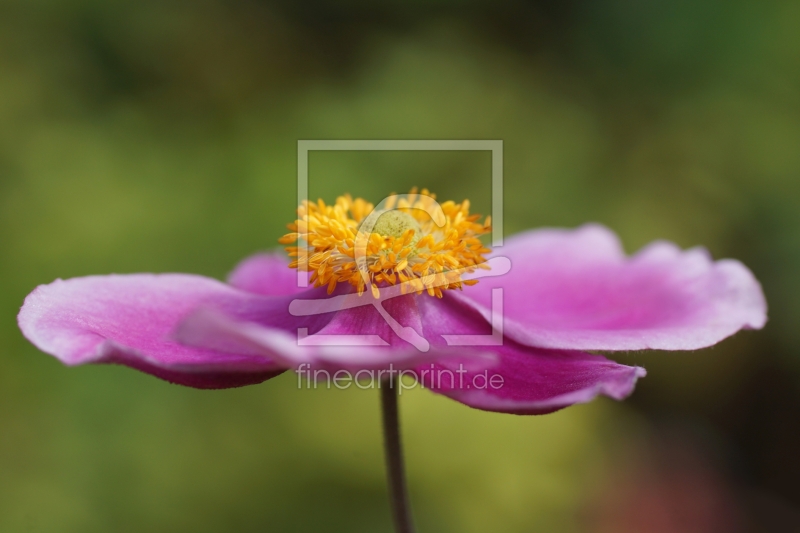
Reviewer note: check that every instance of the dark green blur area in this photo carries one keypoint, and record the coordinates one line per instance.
(160, 136)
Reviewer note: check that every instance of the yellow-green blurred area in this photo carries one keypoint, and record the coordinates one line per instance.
(160, 136)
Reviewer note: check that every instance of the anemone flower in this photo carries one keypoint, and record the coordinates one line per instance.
(409, 287)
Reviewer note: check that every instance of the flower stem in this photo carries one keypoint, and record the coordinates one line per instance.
(395, 470)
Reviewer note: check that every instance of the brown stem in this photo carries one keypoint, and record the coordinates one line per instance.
(395, 470)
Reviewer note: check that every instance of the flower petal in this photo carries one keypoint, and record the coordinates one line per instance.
(128, 319)
(355, 336)
(266, 273)
(525, 380)
(576, 289)
(533, 381)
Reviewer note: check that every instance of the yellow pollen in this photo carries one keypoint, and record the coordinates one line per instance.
(411, 244)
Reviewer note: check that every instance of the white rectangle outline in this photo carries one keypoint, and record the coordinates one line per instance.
(494, 146)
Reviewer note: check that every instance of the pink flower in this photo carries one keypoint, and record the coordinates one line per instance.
(567, 291)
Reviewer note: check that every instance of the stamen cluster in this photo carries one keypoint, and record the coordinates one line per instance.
(432, 258)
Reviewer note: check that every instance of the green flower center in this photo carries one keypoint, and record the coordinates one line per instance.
(395, 223)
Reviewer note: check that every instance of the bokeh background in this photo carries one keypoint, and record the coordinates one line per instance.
(161, 136)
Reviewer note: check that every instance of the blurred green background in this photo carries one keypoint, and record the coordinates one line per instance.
(161, 136)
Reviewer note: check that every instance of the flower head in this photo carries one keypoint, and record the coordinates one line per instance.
(567, 291)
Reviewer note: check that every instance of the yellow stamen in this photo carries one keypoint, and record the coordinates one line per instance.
(405, 245)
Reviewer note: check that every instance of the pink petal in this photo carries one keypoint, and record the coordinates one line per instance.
(532, 381)
(128, 319)
(355, 337)
(524, 380)
(266, 273)
(576, 289)
(535, 380)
